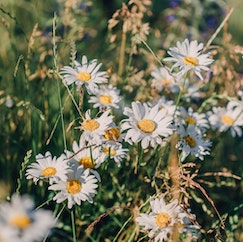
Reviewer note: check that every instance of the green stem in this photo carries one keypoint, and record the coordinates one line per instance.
(58, 85)
(124, 225)
(73, 225)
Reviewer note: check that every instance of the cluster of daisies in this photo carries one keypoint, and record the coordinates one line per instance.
(74, 175)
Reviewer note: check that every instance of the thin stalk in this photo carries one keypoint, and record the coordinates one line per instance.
(56, 218)
(151, 51)
(121, 229)
(218, 29)
(55, 68)
(73, 226)
(72, 97)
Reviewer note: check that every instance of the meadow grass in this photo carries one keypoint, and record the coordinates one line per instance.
(40, 112)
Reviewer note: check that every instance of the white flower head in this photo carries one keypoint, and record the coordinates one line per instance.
(161, 219)
(86, 73)
(163, 79)
(80, 186)
(189, 117)
(188, 56)
(25, 224)
(114, 151)
(148, 125)
(229, 117)
(105, 97)
(87, 156)
(48, 167)
(192, 142)
(94, 128)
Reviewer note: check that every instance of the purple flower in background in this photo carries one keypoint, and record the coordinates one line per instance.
(170, 18)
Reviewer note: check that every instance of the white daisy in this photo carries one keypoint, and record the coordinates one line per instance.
(48, 168)
(25, 223)
(148, 125)
(188, 117)
(227, 118)
(192, 142)
(161, 219)
(80, 186)
(86, 74)
(114, 151)
(94, 129)
(188, 56)
(87, 156)
(105, 97)
(163, 79)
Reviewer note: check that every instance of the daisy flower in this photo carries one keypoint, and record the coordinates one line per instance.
(115, 152)
(25, 224)
(188, 56)
(148, 125)
(86, 73)
(227, 118)
(192, 142)
(189, 117)
(49, 168)
(163, 79)
(105, 97)
(80, 186)
(94, 129)
(87, 156)
(161, 219)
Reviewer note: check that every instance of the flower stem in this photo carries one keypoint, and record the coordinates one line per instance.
(73, 225)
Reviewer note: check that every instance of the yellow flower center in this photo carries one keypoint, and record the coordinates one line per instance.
(225, 119)
(109, 151)
(73, 186)
(21, 221)
(146, 125)
(190, 120)
(49, 171)
(112, 134)
(105, 99)
(191, 61)
(86, 162)
(90, 125)
(163, 220)
(83, 76)
(190, 141)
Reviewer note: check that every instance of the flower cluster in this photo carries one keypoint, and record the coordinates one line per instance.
(74, 175)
